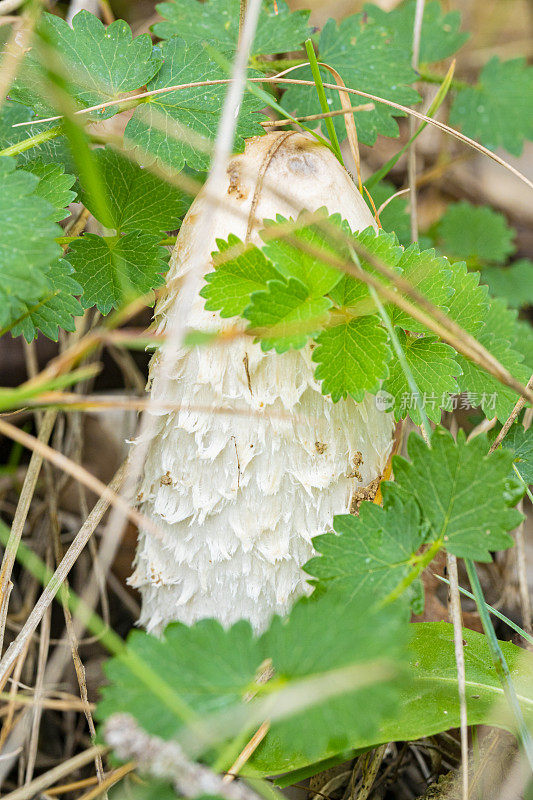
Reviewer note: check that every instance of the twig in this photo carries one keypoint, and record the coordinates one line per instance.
(166, 759)
(246, 752)
(455, 609)
(111, 779)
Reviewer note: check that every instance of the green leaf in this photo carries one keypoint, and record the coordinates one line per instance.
(434, 369)
(431, 703)
(352, 358)
(54, 150)
(367, 59)
(27, 242)
(137, 199)
(56, 309)
(514, 283)
(353, 293)
(430, 274)
(497, 335)
(475, 232)
(179, 127)
(54, 186)
(217, 21)
(231, 284)
(113, 270)
(497, 112)
(304, 644)
(100, 63)
(440, 35)
(370, 554)
(285, 315)
(460, 491)
(469, 304)
(292, 259)
(520, 442)
(524, 342)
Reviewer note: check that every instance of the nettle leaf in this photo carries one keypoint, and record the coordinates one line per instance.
(100, 64)
(498, 336)
(352, 358)
(434, 370)
(278, 30)
(475, 232)
(54, 186)
(232, 282)
(430, 274)
(514, 283)
(56, 309)
(497, 112)
(113, 270)
(286, 314)
(365, 57)
(445, 479)
(54, 150)
(305, 644)
(179, 127)
(440, 36)
(26, 250)
(137, 199)
(369, 555)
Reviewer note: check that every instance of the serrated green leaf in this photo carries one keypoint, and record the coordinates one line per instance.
(292, 259)
(430, 274)
(370, 554)
(26, 250)
(285, 314)
(137, 199)
(352, 358)
(353, 293)
(434, 368)
(304, 644)
(460, 491)
(524, 342)
(469, 304)
(100, 63)
(497, 112)
(56, 309)
(114, 270)
(179, 127)
(231, 284)
(278, 30)
(54, 186)
(366, 58)
(475, 232)
(514, 283)
(440, 36)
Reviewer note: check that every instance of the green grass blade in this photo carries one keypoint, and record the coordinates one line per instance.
(323, 99)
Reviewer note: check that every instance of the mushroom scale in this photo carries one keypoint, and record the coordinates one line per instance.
(256, 461)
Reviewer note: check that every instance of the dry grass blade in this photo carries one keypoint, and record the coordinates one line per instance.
(519, 405)
(455, 609)
(38, 785)
(296, 82)
(59, 576)
(23, 507)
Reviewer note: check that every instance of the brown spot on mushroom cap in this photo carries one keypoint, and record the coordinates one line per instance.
(235, 186)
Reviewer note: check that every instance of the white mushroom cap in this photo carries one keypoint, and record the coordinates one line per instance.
(240, 495)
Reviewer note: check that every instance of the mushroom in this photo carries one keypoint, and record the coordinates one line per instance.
(255, 461)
